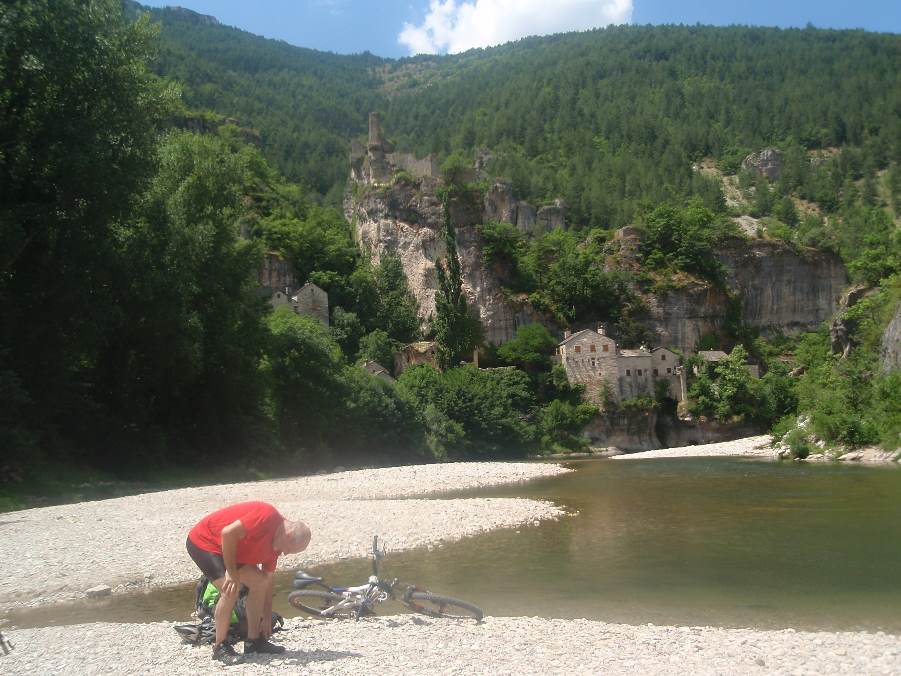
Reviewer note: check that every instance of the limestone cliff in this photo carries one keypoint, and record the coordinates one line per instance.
(392, 209)
(406, 218)
(781, 289)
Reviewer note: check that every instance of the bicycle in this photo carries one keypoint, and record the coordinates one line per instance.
(359, 601)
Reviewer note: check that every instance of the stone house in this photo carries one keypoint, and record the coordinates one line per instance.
(310, 300)
(377, 369)
(592, 358)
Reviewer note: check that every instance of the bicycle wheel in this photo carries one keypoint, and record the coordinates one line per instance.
(313, 602)
(434, 605)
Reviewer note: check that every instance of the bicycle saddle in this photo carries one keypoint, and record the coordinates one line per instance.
(302, 579)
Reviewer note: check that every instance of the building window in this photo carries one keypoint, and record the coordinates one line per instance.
(669, 371)
(638, 371)
(662, 357)
(628, 372)
(656, 373)
(593, 348)
(578, 349)
(593, 360)
(606, 348)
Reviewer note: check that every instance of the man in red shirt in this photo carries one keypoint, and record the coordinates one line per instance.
(239, 545)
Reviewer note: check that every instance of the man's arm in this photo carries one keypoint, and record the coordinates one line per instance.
(231, 534)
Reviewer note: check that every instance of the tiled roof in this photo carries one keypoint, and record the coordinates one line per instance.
(712, 355)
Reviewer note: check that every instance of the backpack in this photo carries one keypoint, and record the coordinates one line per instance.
(205, 598)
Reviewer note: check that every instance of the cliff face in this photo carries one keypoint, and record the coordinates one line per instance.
(406, 219)
(779, 289)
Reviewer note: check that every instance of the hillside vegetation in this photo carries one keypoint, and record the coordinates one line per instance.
(137, 200)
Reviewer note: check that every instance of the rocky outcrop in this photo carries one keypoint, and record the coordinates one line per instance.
(674, 432)
(501, 206)
(782, 290)
(767, 163)
(406, 219)
(680, 317)
(633, 431)
(890, 354)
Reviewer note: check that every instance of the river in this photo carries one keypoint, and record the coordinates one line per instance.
(729, 542)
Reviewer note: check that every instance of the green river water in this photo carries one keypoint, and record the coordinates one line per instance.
(714, 541)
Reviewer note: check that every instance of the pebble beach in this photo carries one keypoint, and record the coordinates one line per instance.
(57, 553)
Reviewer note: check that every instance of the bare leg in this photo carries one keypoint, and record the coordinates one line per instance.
(256, 582)
(223, 612)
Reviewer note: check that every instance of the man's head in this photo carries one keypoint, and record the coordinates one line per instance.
(292, 537)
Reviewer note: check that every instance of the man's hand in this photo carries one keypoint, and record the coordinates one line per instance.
(231, 585)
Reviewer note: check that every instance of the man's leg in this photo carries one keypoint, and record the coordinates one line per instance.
(222, 615)
(256, 582)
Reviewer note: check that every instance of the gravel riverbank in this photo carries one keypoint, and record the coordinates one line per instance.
(56, 553)
(500, 645)
(758, 447)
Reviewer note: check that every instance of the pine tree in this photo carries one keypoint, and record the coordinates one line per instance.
(457, 330)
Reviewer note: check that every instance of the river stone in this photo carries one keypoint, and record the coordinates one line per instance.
(98, 591)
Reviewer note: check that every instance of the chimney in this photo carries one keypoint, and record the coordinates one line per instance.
(602, 329)
(566, 334)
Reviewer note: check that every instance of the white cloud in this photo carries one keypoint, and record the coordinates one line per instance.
(452, 26)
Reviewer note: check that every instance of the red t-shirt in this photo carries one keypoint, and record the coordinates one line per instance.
(260, 521)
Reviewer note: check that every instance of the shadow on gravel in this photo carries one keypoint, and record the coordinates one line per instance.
(303, 657)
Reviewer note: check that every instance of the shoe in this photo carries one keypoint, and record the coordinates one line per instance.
(263, 647)
(225, 653)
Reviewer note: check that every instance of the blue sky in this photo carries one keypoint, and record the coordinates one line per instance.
(401, 27)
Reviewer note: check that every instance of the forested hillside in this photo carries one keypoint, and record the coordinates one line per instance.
(136, 203)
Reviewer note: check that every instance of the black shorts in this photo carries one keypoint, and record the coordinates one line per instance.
(210, 564)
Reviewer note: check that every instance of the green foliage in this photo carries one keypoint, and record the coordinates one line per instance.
(683, 239)
(559, 425)
(398, 311)
(79, 116)
(851, 401)
(530, 349)
(302, 369)
(569, 280)
(379, 347)
(457, 330)
(501, 243)
(457, 169)
(471, 413)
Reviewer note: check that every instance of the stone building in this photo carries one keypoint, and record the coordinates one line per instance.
(312, 302)
(377, 370)
(591, 358)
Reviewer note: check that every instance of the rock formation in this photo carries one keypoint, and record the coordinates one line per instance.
(779, 289)
(767, 163)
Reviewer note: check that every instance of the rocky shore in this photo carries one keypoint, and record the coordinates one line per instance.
(59, 553)
(409, 644)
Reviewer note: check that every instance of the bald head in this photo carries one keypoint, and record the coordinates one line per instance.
(292, 537)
